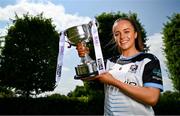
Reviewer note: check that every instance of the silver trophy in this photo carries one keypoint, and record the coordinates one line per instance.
(82, 34)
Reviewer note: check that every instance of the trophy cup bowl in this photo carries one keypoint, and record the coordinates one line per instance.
(78, 34)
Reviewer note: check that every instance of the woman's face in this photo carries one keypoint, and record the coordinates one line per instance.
(124, 35)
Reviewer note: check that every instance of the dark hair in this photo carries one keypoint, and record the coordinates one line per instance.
(138, 41)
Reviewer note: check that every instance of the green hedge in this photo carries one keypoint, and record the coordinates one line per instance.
(169, 104)
(49, 106)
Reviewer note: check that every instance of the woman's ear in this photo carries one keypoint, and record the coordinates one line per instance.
(135, 35)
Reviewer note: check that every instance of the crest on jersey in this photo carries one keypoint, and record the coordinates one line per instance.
(133, 68)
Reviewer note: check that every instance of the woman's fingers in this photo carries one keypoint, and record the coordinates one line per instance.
(82, 50)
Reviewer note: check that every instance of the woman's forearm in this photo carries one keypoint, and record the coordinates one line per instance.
(146, 95)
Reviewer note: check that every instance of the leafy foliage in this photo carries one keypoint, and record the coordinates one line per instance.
(89, 91)
(6, 92)
(171, 40)
(168, 104)
(29, 57)
(57, 104)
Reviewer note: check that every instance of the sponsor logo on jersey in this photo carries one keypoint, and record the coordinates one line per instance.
(156, 72)
(157, 78)
(130, 82)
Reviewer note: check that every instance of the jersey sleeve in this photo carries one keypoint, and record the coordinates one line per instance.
(152, 76)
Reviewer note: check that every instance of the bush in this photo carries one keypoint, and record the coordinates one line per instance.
(168, 104)
(62, 105)
(49, 106)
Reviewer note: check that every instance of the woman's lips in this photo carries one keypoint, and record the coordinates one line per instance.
(124, 41)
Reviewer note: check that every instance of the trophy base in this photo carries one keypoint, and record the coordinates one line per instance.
(88, 70)
(88, 76)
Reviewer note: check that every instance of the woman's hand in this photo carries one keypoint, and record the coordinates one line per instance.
(82, 49)
(106, 78)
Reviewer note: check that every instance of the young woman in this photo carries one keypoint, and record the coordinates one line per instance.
(133, 79)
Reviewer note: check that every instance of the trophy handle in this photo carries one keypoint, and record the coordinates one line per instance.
(69, 46)
(91, 23)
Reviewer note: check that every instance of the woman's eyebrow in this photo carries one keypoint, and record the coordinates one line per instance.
(126, 28)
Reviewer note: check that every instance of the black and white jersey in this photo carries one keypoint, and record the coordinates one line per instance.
(142, 69)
